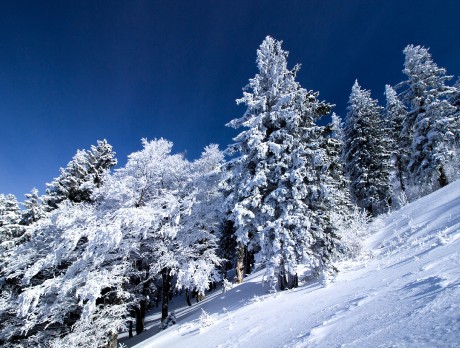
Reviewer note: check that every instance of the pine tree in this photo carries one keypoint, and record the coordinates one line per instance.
(366, 152)
(454, 99)
(86, 266)
(336, 129)
(395, 114)
(65, 286)
(85, 172)
(429, 120)
(336, 181)
(10, 218)
(278, 200)
(99, 160)
(338, 200)
(2, 209)
(33, 208)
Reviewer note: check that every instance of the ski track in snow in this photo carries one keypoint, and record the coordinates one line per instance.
(407, 294)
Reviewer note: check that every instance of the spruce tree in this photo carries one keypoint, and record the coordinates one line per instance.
(454, 100)
(33, 208)
(278, 199)
(337, 183)
(338, 200)
(429, 121)
(10, 218)
(366, 153)
(99, 160)
(85, 172)
(395, 114)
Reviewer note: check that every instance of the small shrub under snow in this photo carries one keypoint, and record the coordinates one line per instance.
(206, 321)
(352, 229)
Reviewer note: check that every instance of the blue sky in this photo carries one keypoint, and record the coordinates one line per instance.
(72, 72)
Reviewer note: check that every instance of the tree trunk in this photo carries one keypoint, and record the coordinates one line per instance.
(292, 281)
(130, 328)
(442, 177)
(157, 299)
(166, 285)
(224, 269)
(370, 210)
(112, 343)
(197, 295)
(140, 317)
(239, 263)
(400, 174)
(247, 261)
(296, 281)
(187, 297)
(282, 282)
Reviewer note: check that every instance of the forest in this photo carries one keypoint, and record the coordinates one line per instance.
(291, 195)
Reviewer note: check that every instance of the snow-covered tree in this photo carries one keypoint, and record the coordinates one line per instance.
(454, 100)
(65, 286)
(366, 152)
(202, 229)
(159, 206)
(338, 200)
(336, 129)
(353, 228)
(86, 266)
(395, 114)
(100, 159)
(453, 170)
(10, 219)
(278, 199)
(234, 254)
(338, 186)
(85, 172)
(429, 120)
(33, 209)
(227, 247)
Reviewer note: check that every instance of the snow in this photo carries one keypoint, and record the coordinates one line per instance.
(404, 292)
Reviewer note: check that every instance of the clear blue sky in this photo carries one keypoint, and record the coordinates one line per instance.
(72, 72)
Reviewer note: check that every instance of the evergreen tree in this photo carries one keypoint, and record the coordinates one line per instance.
(366, 152)
(454, 100)
(429, 120)
(33, 208)
(99, 160)
(395, 114)
(85, 172)
(65, 286)
(10, 218)
(85, 266)
(336, 129)
(278, 200)
(2, 211)
(336, 181)
(338, 200)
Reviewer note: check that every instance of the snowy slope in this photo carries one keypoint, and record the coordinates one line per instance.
(407, 294)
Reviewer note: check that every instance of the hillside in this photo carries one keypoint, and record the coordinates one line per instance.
(404, 293)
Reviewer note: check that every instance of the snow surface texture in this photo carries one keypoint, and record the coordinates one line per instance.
(405, 293)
